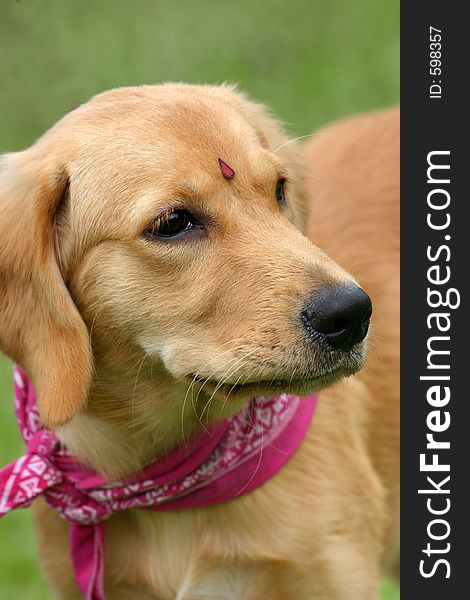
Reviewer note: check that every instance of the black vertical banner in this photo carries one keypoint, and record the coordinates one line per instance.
(435, 267)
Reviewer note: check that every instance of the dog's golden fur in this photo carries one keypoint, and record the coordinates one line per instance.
(124, 336)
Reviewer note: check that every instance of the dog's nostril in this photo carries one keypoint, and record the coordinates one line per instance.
(340, 314)
(340, 324)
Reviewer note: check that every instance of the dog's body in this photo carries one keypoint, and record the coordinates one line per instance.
(325, 526)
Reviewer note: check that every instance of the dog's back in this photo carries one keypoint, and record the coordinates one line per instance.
(353, 182)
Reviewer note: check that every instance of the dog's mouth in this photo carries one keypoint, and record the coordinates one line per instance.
(336, 365)
(295, 384)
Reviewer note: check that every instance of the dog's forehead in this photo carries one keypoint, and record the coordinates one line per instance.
(168, 137)
(193, 119)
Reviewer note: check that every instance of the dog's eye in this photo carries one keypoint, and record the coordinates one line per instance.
(280, 197)
(171, 223)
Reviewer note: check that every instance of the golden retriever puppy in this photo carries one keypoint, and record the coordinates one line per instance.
(155, 275)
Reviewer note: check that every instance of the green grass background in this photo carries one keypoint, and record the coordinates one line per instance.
(310, 60)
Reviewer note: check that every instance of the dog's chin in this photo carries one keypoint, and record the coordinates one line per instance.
(291, 384)
(298, 387)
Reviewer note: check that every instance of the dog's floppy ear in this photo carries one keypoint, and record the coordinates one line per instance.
(40, 327)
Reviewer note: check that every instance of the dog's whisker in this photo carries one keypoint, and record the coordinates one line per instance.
(247, 377)
(221, 383)
(231, 349)
(231, 371)
(194, 379)
(294, 372)
(198, 417)
(230, 391)
(229, 364)
(99, 309)
(182, 418)
(190, 390)
(209, 377)
(224, 379)
(315, 135)
(291, 141)
(258, 465)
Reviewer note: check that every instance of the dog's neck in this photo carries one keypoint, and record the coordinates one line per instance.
(128, 425)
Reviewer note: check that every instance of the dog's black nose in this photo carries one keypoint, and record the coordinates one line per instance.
(339, 314)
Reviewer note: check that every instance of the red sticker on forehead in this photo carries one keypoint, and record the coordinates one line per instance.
(227, 171)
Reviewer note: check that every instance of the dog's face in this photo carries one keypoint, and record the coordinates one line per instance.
(191, 268)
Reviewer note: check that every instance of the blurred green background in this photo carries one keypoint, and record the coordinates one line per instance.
(311, 61)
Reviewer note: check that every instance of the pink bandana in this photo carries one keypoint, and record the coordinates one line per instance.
(234, 457)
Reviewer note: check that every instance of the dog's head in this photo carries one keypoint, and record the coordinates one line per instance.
(152, 238)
